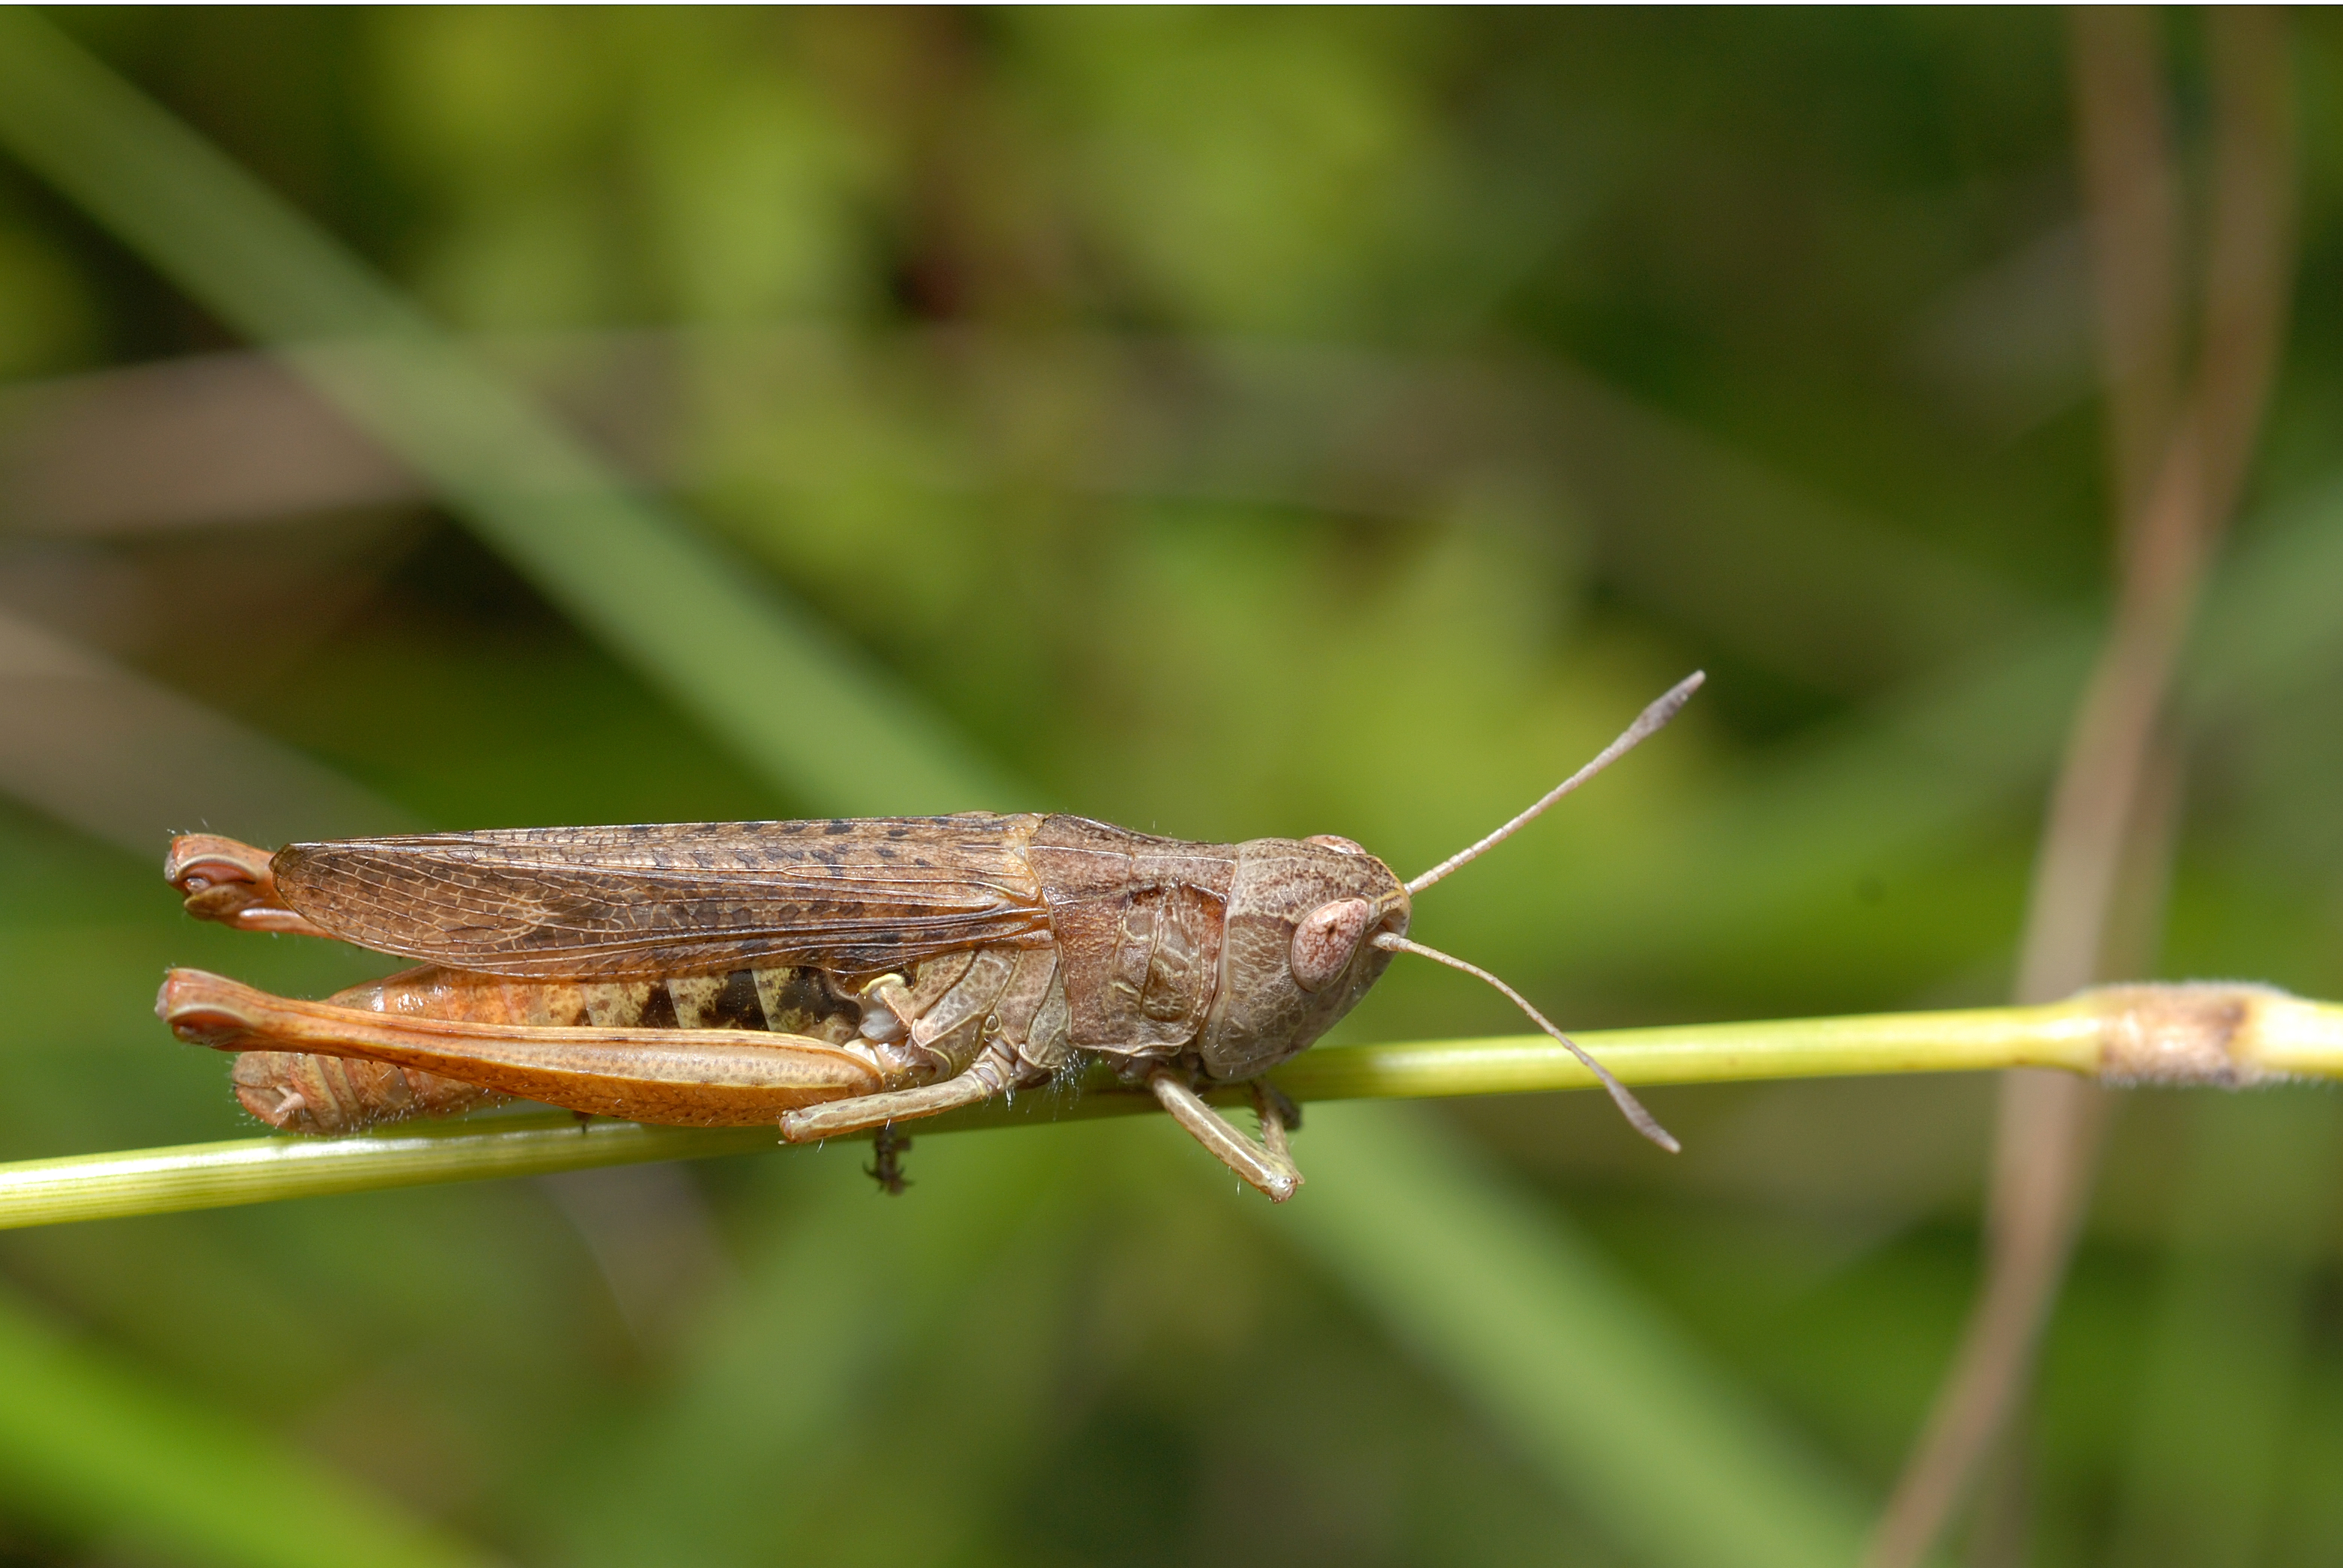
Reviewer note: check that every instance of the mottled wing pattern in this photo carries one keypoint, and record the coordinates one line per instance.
(851, 895)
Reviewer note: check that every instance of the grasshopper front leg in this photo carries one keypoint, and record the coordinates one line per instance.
(1267, 1164)
(1278, 1116)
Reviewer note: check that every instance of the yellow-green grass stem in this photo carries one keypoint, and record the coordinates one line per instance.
(2219, 1035)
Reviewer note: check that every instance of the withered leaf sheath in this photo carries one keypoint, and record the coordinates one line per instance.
(831, 977)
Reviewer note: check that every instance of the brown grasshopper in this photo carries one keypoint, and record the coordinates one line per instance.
(833, 976)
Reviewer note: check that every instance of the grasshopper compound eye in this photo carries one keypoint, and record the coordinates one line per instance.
(1326, 939)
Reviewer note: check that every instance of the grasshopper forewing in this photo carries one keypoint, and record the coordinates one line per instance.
(829, 977)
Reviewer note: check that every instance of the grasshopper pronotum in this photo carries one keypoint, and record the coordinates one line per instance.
(831, 977)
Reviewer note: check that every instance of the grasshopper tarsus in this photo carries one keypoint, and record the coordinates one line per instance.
(888, 1148)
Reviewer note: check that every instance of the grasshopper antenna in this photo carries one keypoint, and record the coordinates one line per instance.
(1629, 1106)
(1646, 723)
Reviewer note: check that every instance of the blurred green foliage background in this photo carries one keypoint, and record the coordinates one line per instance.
(1225, 423)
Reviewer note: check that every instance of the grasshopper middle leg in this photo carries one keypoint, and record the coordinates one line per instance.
(1001, 1026)
(996, 1069)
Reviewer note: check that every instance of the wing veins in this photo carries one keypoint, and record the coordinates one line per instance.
(569, 901)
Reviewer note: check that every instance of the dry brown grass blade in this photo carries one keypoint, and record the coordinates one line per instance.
(1797, 581)
(2132, 204)
(185, 442)
(2179, 464)
(130, 762)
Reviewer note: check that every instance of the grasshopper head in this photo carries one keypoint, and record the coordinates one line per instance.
(1297, 949)
(1312, 921)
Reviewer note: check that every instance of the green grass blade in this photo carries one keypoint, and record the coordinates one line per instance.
(97, 1449)
(843, 1295)
(707, 629)
(1631, 1423)
(2233, 1340)
(2267, 1037)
